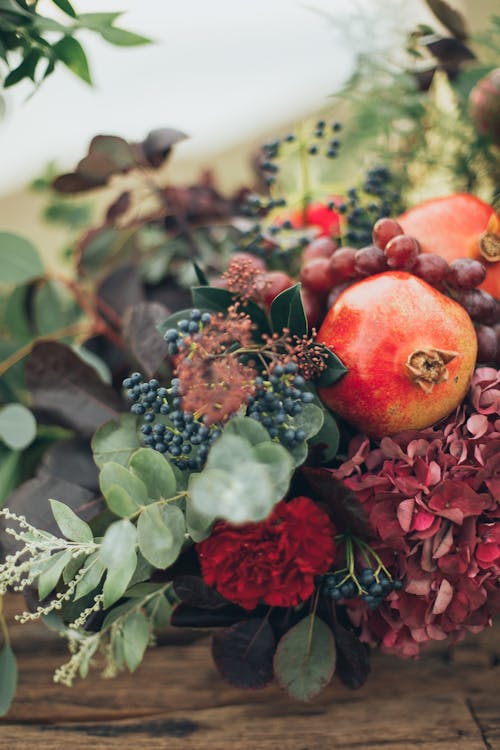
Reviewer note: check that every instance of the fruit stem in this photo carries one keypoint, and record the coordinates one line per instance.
(427, 367)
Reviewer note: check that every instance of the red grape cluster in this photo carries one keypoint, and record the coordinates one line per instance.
(327, 270)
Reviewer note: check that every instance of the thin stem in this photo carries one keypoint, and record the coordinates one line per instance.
(72, 330)
(161, 501)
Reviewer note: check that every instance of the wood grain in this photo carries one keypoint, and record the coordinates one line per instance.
(448, 700)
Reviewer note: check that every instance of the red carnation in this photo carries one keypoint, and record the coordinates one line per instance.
(274, 561)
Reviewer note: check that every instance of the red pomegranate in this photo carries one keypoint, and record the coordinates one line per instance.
(458, 226)
(410, 353)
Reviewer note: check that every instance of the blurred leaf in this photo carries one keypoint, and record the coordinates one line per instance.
(158, 144)
(122, 38)
(353, 658)
(71, 460)
(118, 207)
(25, 70)
(66, 7)
(121, 289)
(71, 53)
(116, 441)
(17, 426)
(10, 472)
(120, 501)
(140, 331)
(119, 542)
(447, 49)
(342, 504)
(247, 428)
(70, 524)
(8, 678)
(334, 369)
(114, 474)
(98, 21)
(69, 390)
(70, 214)
(194, 591)
(449, 17)
(243, 653)
(116, 149)
(136, 635)
(19, 260)
(160, 533)
(54, 308)
(16, 315)
(305, 658)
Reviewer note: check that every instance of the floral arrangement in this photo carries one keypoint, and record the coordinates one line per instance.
(309, 463)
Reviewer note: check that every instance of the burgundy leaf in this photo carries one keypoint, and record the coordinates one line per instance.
(68, 391)
(72, 461)
(243, 653)
(158, 144)
(341, 503)
(142, 337)
(194, 591)
(122, 288)
(353, 657)
(185, 616)
(118, 207)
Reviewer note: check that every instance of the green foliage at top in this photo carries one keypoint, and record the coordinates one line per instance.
(32, 45)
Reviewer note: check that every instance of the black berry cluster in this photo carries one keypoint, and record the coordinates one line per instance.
(377, 198)
(371, 586)
(167, 428)
(277, 401)
(186, 327)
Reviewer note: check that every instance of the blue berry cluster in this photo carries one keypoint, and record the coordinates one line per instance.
(277, 401)
(362, 211)
(374, 586)
(179, 434)
(186, 326)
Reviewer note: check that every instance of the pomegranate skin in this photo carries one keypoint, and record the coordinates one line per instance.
(379, 325)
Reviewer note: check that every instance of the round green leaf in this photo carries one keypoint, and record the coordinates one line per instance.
(229, 452)
(310, 419)
(114, 474)
(120, 502)
(19, 260)
(247, 428)
(305, 659)
(118, 544)
(17, 426)
(155, 472)
(116, 441)
(160, 533)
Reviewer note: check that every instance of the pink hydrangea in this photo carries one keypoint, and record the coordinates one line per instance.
(433, 500)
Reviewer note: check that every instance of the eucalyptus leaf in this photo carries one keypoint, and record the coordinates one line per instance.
(19, 260)
(17, 426)
(136, 634)
(71, 526)
(8, 678)
(116, 441)
(247, 428)
(279, 464)
(160, 534)
(118, 544)
(120, 502)
(114, 474)
(155, 472)
(228, 452)
(304, 662)
(310, 419)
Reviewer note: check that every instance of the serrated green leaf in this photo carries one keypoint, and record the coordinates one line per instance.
(247, 428)
(69, 51)
(114, 474)
(118, 580)
(335, 369)
(155, 472)
(48, 578)
(70, 525)
(304, 661)
(116, 441)
(8, 678)
(287, 311)
(17, 426)
(19, 260)
(160, 534)
(122, 38)
(136, 634)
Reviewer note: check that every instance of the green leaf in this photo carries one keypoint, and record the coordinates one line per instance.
(136, 635)
(247, 428)
(25, 70)
(287, 311)
(198, 524)
(71, 526)
(328, 436)
(48, 578)
(54, 308)
(66, 7)
(19, 260)
(118, 579)
(17, 426)
(114, 474)
(335, 369)
(120, 502)
(310, 419)
(159, 610)
(279, 464)
(118, 545)
(156, 473)
(161, 533)
(116, 441)
(299, 453)
(304, 661)
(8, 678)
(10, 472)
(91, 578)
(118, 612)
(71, 53)
(122, 38)
(98, 21)
(229, 452)
(16, 315)
(200, 275)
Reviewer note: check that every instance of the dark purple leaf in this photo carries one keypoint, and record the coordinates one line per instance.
(118, 207)
(31, 499)
(449, 17)
(353, 657)
(447, 49)
(122, 288)
(142, 337)
(185, 616)
(243, 653)
(68, 391)
(72, 461)
(341, 503)
(75, 183)
(158, 144)
(194, 591)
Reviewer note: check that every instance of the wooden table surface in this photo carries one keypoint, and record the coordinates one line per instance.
(448, 700)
